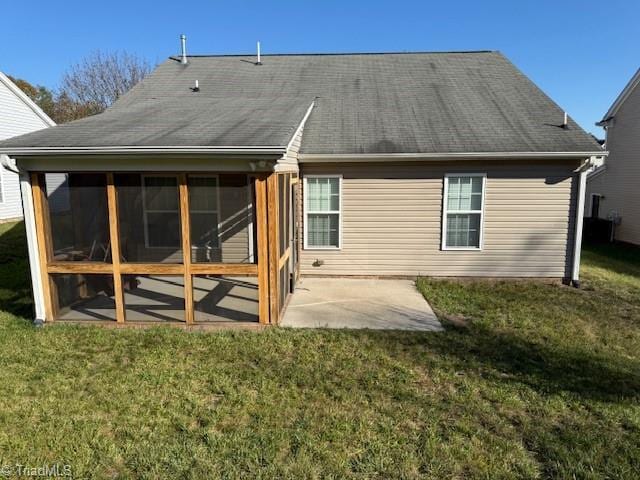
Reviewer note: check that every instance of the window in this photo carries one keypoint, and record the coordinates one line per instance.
(595, 205)
(161, 211)
(322, 204)
(204, 206)
(463, 212)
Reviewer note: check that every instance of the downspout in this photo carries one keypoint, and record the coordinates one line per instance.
(577, 245)
(32, 242)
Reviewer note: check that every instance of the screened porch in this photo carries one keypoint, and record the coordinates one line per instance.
(161, 247)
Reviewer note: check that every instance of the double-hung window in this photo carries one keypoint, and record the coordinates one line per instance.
(463, 211)
(322, 207)
(161, 211)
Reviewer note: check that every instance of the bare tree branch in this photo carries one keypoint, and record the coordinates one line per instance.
(101, 78)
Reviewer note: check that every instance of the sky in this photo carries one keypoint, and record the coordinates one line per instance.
(581, 53)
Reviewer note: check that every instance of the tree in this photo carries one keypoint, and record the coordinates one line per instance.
(88, 87)
(42, 96)
(67, 110)
(101, 78)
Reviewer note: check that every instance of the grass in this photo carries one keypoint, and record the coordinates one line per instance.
(528, 380)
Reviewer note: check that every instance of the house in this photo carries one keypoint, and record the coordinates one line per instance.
(612, 189)
(204, 193)
(18, 115)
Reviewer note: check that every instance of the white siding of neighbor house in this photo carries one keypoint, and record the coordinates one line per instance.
(16, 118)
(392, 216)
(619, 182)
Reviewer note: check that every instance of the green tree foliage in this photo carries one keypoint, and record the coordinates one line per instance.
(41, 95)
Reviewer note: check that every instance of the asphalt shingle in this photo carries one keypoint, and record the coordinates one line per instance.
(364, 103)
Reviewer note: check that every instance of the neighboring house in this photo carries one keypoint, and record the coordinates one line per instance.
(204, 193)
(18, 115)
(612, 189)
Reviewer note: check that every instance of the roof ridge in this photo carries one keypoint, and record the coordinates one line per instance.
(320, 54)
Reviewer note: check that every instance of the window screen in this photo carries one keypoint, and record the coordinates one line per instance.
(463, 211)
(323, 210)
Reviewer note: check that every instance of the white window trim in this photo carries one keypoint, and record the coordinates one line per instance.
(145, 211)
(217, 212)
(307, 212)
(445, 197)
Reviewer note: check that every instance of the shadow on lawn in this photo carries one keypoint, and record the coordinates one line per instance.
(15, 286)
(547, 367)
(617, 257)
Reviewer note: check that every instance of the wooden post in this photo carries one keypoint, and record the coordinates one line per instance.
(45, 248)
(272, 227)
(114, 236)
(262, 249)
(186, 248)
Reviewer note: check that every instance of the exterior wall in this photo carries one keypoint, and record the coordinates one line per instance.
(391, 220)
(289, 161)
(16, 118)
(618, 182)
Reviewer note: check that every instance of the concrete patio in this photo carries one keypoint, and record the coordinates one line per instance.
(359, 303)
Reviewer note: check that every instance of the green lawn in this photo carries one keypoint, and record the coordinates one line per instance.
(527, 381)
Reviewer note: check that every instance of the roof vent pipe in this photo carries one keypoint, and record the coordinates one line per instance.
(183, 51)
(565, 121)
(258, 47)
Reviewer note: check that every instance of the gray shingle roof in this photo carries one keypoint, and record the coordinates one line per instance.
(364, 103)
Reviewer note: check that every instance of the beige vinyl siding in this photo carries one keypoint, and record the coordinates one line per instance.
(620, 180)
(235, 217)
(392, 215)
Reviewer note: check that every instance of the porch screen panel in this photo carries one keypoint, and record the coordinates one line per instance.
(222, 218)
(78, 215)
(284, 238)
(149, 218)
(228, 298)
(284, 207)
(84, 296)
(154, 298)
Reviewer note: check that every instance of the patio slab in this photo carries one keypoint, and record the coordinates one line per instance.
(359, 303)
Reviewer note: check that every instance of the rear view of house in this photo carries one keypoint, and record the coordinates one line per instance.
(612, 189)
(18, 115)
(203, 194)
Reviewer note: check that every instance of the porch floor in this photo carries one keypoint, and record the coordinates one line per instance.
(161, 299)
(359, 303)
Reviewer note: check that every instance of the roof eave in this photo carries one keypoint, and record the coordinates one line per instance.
(381, 157)
(134, 150)
(620, 99)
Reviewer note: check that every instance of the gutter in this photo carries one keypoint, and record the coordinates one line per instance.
(381, 157)
(230, 150)
(577, 240)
